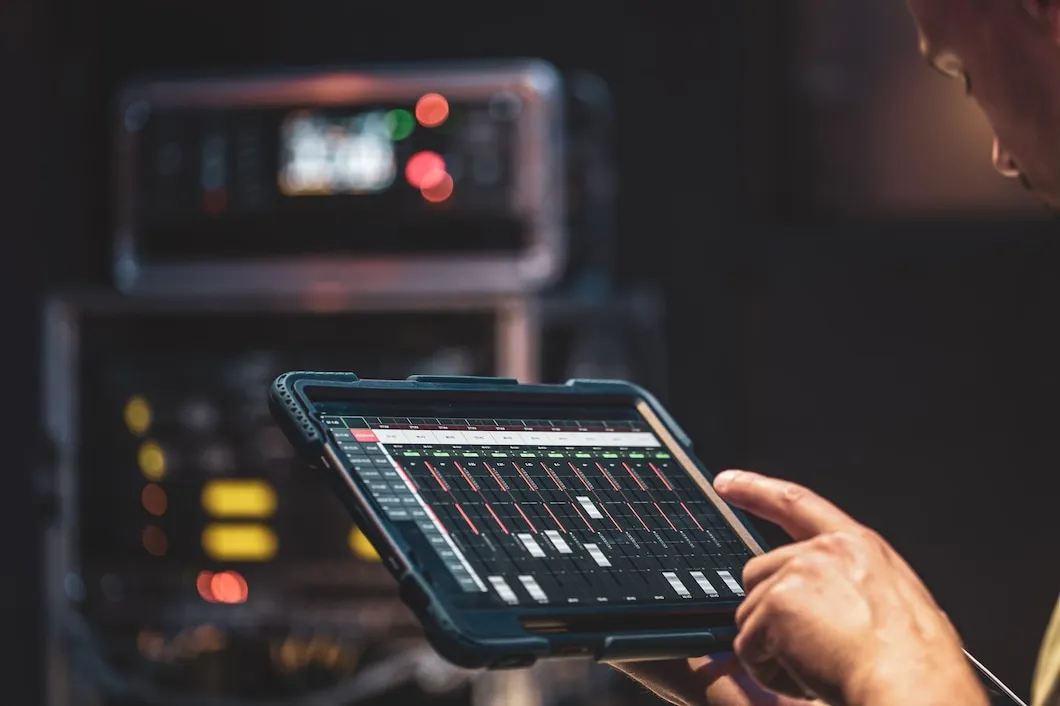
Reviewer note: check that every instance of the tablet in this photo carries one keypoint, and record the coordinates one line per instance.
(529, 521)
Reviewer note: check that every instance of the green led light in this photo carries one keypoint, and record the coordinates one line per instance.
(401, 124)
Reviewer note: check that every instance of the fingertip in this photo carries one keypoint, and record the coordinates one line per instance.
(725, 480)
(798, 510)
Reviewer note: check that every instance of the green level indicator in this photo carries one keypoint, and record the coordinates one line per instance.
(662, 455)
(527, 455)
(442, 454)
(555, 455)
(400, 123)
(470, 454)
(583, 455)
(499, 454)
(411, 453)
(610, 455)
(636, 455)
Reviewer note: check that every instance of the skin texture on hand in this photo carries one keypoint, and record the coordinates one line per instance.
(838, 615)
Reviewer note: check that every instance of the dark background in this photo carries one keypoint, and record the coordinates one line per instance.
(890, 345)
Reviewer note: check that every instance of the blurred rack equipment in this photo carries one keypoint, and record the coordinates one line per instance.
(188, 554)
(596, 323)
(440, 218)
(591, 184)
(433, 178)
(621, 337)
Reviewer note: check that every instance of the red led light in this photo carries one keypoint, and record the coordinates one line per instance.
(229, 587)
(202, 585)
(154, 499)
(440, 190)
(432, 110)
(424, 169)
(223, 587)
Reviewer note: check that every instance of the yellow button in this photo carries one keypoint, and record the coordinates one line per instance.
(239, 498)
(239, 542)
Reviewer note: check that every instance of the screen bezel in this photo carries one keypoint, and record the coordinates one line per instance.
(685, 614)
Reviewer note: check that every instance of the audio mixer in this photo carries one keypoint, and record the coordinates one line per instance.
(531, 510)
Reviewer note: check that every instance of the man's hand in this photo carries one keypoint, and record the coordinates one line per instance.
(837, 614)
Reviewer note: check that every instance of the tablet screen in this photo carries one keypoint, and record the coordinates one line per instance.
(544, 506)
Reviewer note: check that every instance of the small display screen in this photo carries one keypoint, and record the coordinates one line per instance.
(345, 155)
(539, 506)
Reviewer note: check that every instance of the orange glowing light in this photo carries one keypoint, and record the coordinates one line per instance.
(202, 584)
(155, 541)
(229, 587)
(424, 169)
(154, 499)
(440, 190)
(432, 110)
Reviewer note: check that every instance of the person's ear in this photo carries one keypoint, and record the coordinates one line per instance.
(1047, 12)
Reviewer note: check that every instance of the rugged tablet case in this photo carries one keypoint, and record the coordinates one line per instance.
(517, 648)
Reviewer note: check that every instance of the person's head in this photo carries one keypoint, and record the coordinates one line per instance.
(1008, 53)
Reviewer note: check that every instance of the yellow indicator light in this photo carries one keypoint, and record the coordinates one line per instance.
(152, 461)
(138, 415)
(360, 545)
(250, 497)
(244, 542)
